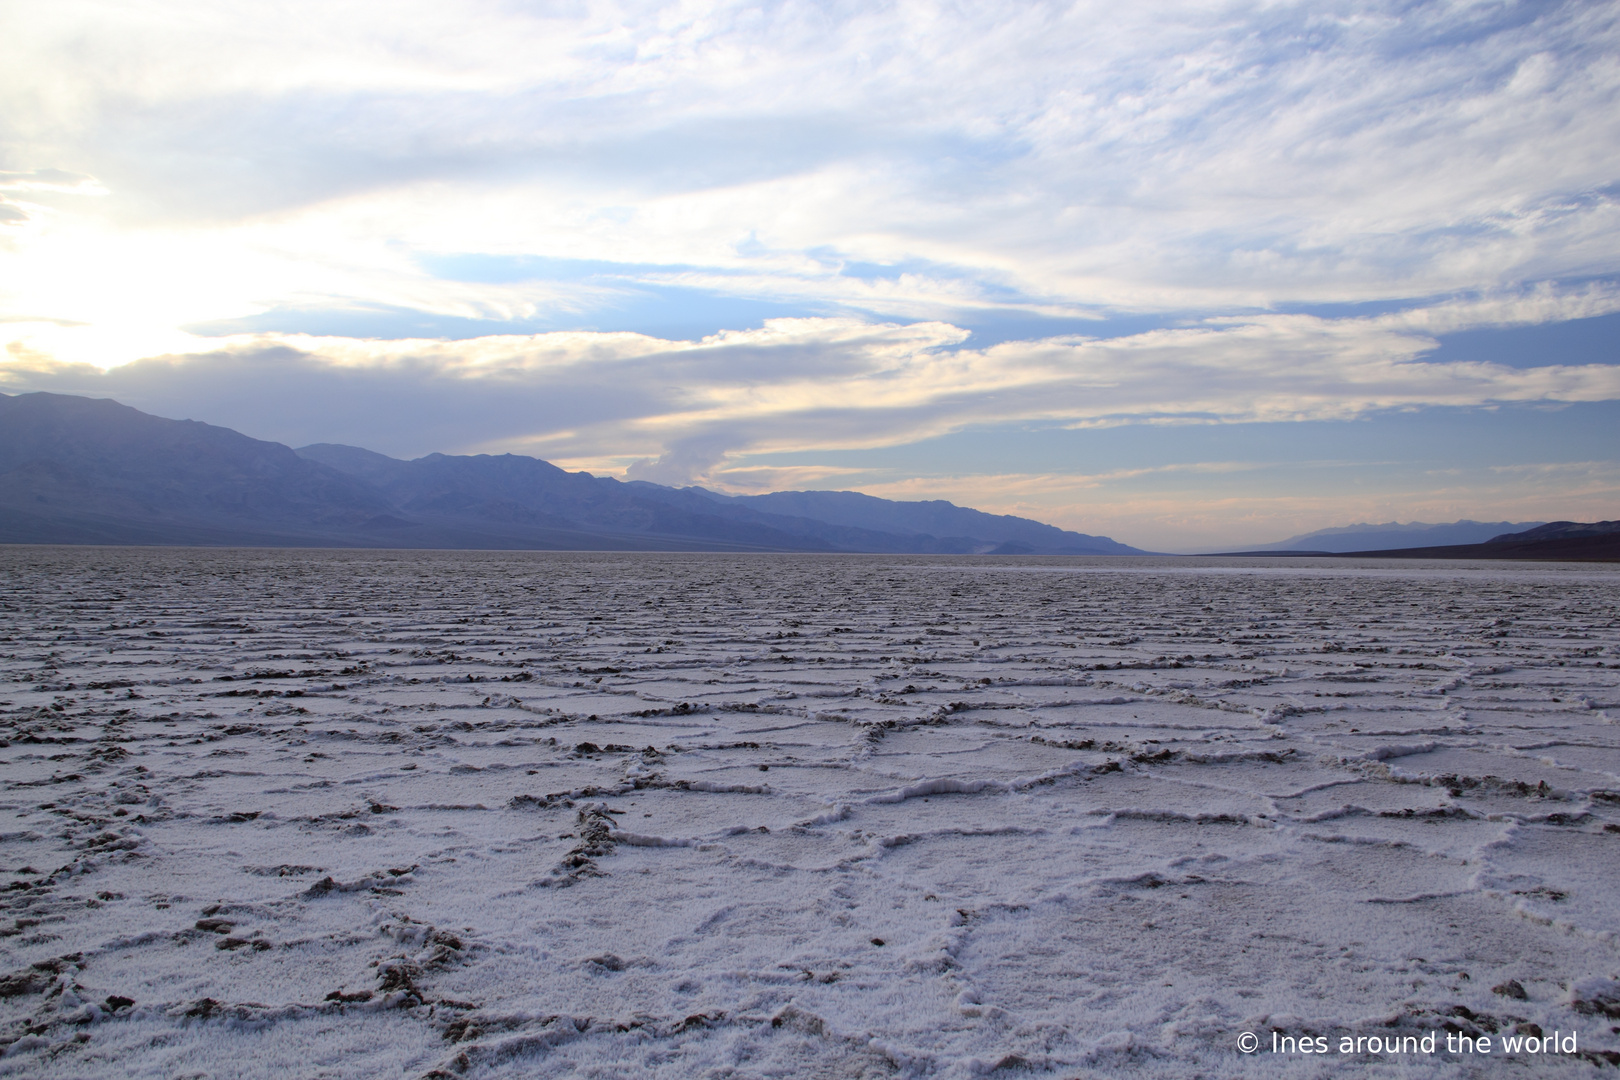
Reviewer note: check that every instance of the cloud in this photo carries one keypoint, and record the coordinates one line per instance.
(688, 461)
(1168, 156)
(56, 180)
(678, 409)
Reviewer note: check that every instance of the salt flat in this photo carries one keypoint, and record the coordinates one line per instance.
(336, 814)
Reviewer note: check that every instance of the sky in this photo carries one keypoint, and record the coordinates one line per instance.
(1190, 275)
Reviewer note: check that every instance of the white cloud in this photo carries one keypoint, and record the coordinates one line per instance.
(684, 408)
(1168, 156)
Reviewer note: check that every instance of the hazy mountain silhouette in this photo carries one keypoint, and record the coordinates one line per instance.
(82, 470)
(1560, 530)
(510, 488)
(1390, 535)
(937, 518)
(1561, 541)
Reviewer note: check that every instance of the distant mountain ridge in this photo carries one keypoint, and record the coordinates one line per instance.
(1561, 541)
(1392, 535)
(1560, 530)
(936, 517)
(1556, 541)
(84, 470)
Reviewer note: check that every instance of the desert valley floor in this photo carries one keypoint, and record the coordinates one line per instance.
(353, 814)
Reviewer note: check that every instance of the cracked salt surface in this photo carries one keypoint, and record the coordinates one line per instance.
(273, 813)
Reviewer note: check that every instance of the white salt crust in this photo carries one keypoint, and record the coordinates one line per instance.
(336, 814)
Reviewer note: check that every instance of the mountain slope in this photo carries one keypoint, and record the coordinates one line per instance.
(1560, 530)
(1594, 546)
(1391, 535)
(510, 488)
(78, 470)
(1011, 535)
(1558, 541)
(510, 493)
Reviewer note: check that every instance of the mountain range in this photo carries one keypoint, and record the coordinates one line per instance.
(1558, 541)
(80, 470)
(1392, 535)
